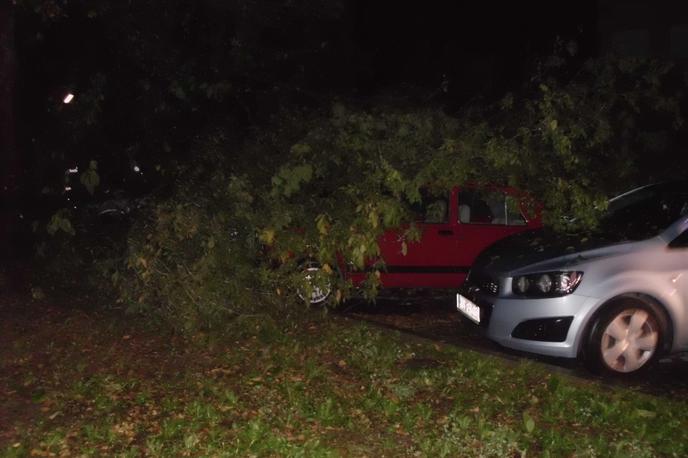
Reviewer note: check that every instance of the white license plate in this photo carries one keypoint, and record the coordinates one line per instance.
(468, 308)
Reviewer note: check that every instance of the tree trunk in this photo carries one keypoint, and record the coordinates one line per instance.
(9, 158)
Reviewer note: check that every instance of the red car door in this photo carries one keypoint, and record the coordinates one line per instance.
(487, 215)
(429, 262)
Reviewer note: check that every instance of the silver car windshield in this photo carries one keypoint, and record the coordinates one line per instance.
(645, 212)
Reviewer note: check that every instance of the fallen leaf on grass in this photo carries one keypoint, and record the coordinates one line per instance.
(221, 370)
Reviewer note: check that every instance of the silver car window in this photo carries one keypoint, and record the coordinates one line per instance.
(644, 213)
(681, 241)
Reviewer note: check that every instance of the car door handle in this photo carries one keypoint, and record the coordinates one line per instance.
(445, 232)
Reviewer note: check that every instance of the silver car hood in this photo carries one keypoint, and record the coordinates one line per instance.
(541, 251)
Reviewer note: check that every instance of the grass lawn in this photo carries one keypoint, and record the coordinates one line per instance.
(75, 382)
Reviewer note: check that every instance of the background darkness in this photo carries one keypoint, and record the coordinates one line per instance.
(481, 47)
(477, 48)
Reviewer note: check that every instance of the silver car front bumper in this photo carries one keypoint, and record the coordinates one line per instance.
(502, 315)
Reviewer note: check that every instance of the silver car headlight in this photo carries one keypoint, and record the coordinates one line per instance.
(546, 284)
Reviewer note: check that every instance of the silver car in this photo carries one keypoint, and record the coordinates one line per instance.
(616, 297)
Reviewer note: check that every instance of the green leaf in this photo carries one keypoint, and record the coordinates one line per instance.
(60, 222)
(553, 384)
(645, 413)
(288, 180)
(267, 236)
(322, 224)
(300, 149)
(90, 178)
(528, 422)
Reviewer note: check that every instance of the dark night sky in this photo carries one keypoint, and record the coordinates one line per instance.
(479, 46)
(470, 42)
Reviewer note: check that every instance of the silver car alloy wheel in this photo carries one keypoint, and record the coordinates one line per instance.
(629, 340)
(317, 294)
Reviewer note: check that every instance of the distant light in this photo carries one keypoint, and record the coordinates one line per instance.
(68, 188)
(68, 98)
(137, 169)
(74, 170)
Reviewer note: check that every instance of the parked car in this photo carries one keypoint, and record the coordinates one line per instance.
(455, 228)
(616, 297)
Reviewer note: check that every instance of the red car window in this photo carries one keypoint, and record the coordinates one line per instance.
(433, 208)
(489, 207)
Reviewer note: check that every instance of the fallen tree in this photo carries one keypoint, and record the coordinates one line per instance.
(325, 187)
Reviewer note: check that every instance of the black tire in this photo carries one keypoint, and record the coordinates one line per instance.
(627, 337)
